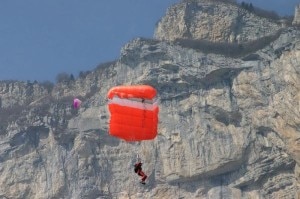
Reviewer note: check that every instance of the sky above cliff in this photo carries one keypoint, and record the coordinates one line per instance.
(42, 38)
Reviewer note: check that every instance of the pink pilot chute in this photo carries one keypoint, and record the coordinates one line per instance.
(76, 103)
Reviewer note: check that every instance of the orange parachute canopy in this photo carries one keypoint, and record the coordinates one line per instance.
(133, 112)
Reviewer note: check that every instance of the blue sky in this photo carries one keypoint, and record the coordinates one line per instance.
(41, 38)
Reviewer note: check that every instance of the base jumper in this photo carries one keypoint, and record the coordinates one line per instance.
(138, 169)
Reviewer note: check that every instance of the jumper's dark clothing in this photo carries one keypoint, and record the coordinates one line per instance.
(139, 171)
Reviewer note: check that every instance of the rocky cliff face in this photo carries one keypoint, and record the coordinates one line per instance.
(213, 20)
(229, 127)
(296, 20)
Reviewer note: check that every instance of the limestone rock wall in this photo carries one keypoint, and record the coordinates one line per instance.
(215, 21)
(228, 128)
(296, 20)
(15, 93)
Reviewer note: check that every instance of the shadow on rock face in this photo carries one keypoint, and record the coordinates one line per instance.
(31, 136)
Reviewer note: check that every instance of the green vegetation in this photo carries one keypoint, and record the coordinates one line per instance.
(64, 78)
(272, 15)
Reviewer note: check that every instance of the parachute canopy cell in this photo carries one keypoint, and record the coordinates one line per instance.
(76, 103)
(133, 112)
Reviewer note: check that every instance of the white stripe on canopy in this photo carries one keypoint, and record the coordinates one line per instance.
(135, 103)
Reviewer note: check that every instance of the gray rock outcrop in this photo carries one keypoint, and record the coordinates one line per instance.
(296, 20)
(217, 21)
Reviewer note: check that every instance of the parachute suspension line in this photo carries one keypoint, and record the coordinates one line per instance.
(142, 151)
(138, 157)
